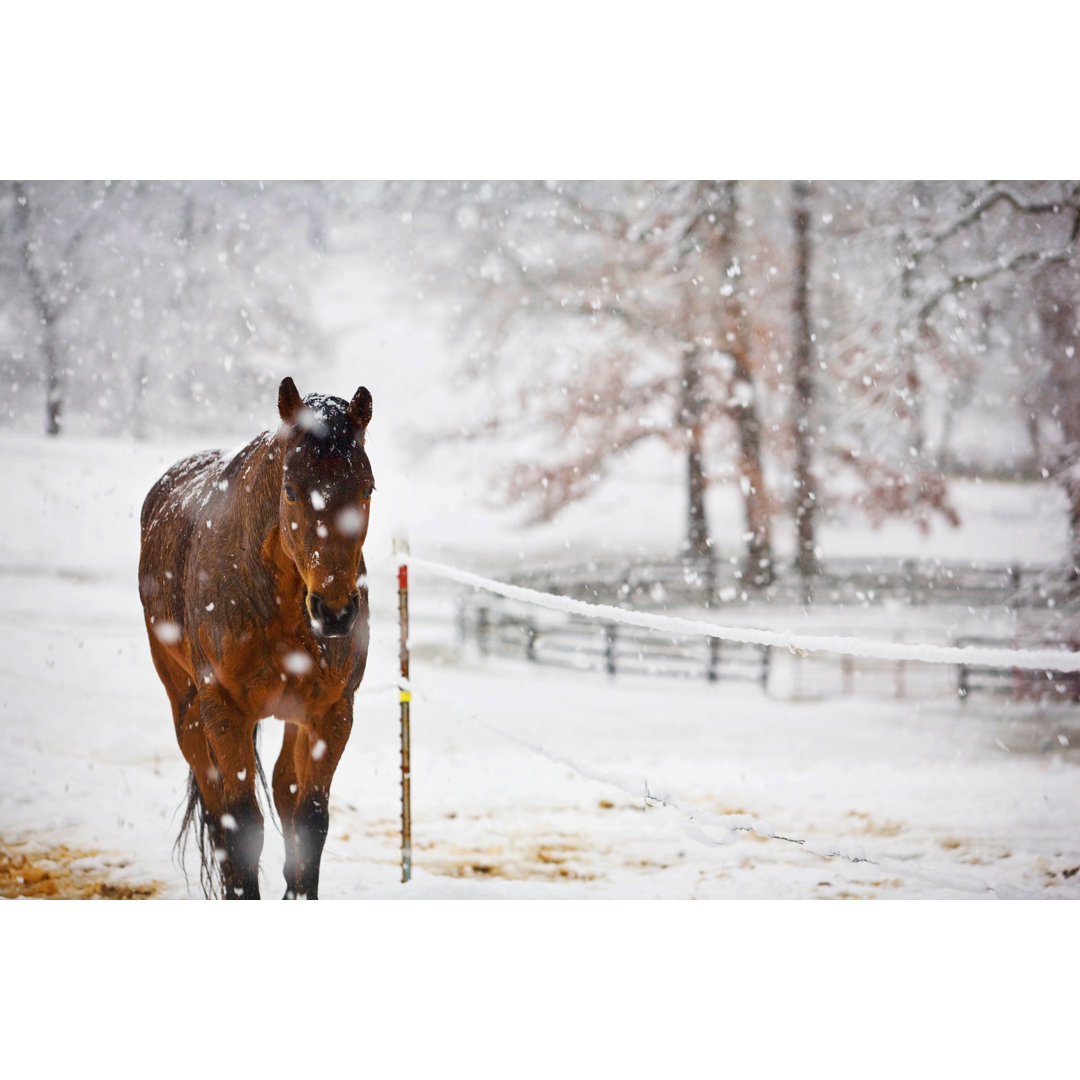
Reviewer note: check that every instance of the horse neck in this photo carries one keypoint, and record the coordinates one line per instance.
(257, 501)
(269, 566)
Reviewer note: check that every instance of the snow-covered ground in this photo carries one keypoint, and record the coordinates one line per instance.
(526, 782)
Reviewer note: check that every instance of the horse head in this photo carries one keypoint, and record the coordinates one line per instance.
(325, 501)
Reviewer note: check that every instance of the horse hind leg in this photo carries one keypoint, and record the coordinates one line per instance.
(205, 803)
(222, 807)
(197, 819)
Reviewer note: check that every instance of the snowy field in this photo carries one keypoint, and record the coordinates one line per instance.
(527, 783)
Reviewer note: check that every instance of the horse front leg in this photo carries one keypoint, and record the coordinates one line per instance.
(302, 776)
(236, 820)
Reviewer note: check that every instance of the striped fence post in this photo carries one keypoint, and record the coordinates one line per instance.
(401, 547)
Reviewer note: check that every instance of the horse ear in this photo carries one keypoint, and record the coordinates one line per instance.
(289, 402)
(360, 408)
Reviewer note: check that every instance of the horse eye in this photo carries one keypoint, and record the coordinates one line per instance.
(368, 491)
(290, 493)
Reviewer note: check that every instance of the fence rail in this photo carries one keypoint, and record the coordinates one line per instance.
(1018, 683)
(615, 645)
(840, 580)
(617, 649)
(611, 648)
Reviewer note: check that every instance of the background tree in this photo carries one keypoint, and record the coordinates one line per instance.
(821, 349)
(803, 479)
(135, 298)
(50, 227)
(599, 316)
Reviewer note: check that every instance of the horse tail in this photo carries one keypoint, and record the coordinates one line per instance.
(197, 822)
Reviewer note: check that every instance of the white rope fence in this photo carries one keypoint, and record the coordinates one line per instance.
(1034, 659)
(724, 829)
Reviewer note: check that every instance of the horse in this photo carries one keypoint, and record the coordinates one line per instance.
(254, 591)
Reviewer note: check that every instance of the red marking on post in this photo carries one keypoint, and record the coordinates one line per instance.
(403, 576)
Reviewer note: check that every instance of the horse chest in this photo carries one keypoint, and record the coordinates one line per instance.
(308, 681)
(287, 675)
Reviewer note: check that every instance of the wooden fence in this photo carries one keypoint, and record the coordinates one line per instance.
(702, 582)
(610, 647)
(500, 627)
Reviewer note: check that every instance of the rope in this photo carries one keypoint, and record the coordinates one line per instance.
(1060, 660)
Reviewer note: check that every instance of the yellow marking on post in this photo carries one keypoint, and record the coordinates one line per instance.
(405, 696)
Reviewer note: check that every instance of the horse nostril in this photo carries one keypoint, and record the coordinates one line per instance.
(333, 622)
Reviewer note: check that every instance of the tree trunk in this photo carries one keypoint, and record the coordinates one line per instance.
(1072, 490)
(758, 558)
(757, 508)
(698, 542)
(1059, 314)
(138, 399)
(802, 422)
(912, 331)
(46, 311)
(54, 385)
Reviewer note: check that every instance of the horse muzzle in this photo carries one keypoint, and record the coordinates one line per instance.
(332, 622)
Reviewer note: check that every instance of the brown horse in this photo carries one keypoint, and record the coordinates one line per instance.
(253, 584)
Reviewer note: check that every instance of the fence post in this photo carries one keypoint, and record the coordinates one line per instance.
(530, 642)
(482, 630)
(609, 648)
(914, 591)
(462, 626)
(401, 547)
(900, 670)
(1014, 580)
(711, 672)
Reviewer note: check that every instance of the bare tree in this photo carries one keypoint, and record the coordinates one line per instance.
(803, 389)
(628, 298)
(52, 224)
(131, 300)
(1051, 377)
